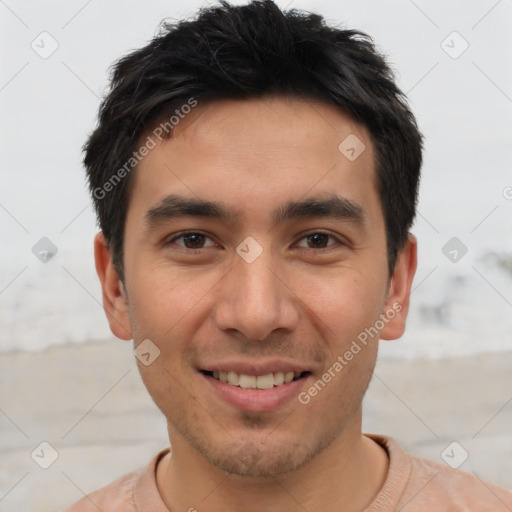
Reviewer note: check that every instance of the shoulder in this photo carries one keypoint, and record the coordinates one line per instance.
(114, 497)
(126, 492)
(415, 484)
(432, 483)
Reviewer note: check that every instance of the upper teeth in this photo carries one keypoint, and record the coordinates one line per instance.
(267, 381)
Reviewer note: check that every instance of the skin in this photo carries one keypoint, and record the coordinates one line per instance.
(295, 302)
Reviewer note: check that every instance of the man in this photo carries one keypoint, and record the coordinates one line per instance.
(255, 176)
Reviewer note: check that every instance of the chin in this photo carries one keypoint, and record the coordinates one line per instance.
(262, 458)
(248, 460)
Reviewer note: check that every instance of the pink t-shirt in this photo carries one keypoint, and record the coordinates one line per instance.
(413, 484)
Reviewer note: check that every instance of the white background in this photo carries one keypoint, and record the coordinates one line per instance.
(87, 400)
(463, 106)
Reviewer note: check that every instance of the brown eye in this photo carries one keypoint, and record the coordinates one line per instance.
(191, 240)
(319, 240)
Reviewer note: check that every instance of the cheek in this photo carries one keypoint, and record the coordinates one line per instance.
(166, 386)
(346, 300)
(337, 394)
(163, 297)
(168, 307)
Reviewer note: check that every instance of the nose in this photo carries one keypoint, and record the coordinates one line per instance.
(257, 298)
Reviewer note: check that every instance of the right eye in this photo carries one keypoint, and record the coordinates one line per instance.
(192, 240)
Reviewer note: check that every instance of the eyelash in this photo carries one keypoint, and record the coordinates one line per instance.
(185, 233)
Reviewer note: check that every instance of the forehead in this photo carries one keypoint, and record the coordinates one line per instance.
(257, 153)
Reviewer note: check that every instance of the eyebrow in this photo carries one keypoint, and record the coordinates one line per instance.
(331, 206)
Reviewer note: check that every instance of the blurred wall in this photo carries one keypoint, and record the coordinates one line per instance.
(451, 59)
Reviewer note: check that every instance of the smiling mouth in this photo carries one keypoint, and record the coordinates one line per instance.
(268, 381)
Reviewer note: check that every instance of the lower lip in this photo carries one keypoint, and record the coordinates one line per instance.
(256, 400)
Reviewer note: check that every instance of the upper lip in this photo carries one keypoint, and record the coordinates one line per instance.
(255, 368)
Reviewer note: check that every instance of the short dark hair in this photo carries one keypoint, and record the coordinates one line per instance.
(244, 52)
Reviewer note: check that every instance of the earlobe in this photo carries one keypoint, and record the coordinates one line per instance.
(115, 299)
(397, 303)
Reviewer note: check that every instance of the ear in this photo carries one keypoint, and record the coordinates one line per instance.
(399, 290)
(115, 301)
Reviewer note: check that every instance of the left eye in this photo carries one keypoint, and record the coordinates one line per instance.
(319, 238)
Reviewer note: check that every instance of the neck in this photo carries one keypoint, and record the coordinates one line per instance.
(347, 475)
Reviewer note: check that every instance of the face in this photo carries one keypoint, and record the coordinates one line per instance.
(274, 283)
